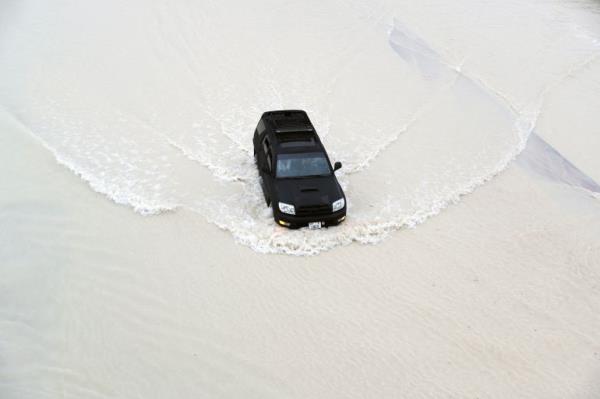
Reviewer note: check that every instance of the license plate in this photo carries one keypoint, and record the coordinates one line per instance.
(314, 225)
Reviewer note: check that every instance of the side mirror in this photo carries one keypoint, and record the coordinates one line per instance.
(336, 166)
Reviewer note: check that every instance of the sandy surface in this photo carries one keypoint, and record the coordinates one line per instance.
(575, 132)
(461, 272)
(496, 297)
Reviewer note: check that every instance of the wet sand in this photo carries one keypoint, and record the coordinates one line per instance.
(496, 297)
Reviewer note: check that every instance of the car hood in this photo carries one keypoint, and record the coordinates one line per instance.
(320, 190)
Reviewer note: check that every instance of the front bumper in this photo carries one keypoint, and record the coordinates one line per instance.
(295, 222)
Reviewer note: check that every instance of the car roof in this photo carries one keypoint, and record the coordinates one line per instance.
(292, 131)
(288, 120)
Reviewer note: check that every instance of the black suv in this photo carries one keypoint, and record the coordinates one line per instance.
(296, 175)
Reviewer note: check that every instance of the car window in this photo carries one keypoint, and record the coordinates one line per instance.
(260, 129)
(302, 165)
(266, 146)
(269, 161)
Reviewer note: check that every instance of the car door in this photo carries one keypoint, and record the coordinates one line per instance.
(265, 166)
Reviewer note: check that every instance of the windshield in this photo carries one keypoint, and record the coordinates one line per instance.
(302, 165)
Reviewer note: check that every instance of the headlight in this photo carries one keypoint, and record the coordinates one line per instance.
(339, 204)
(287, 208)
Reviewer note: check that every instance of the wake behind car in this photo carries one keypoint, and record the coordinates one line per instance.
(297, 178)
